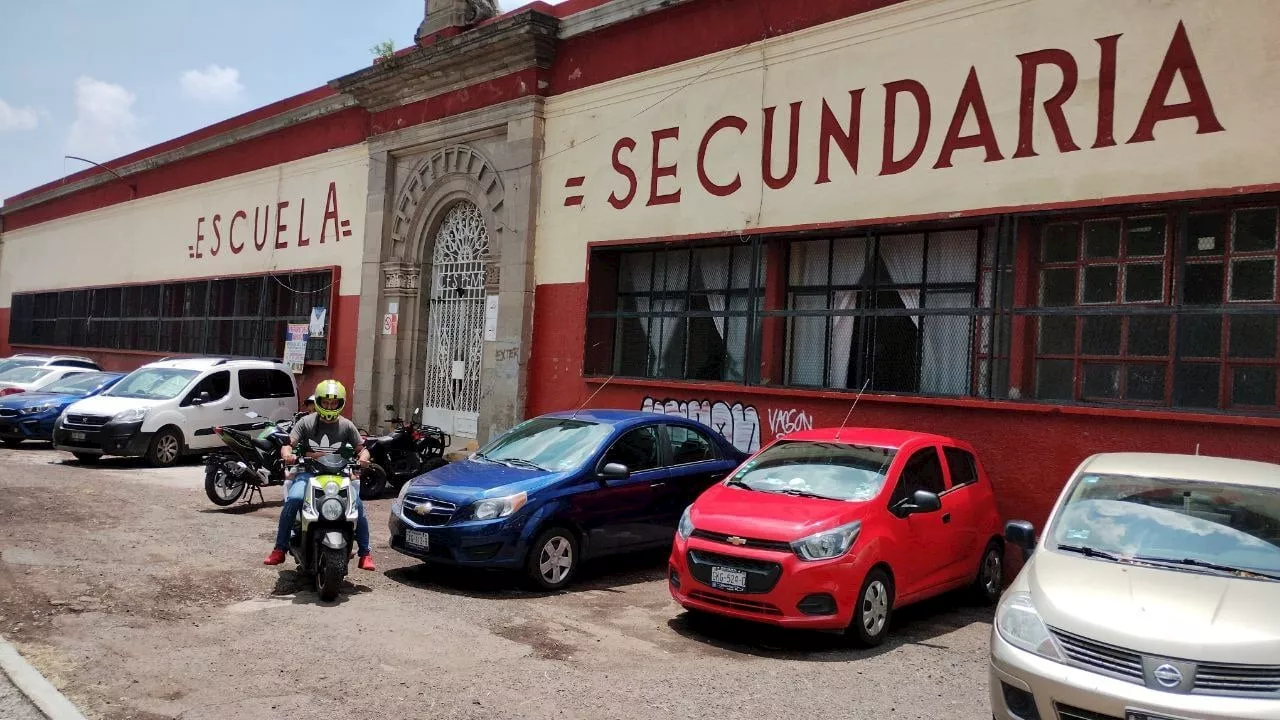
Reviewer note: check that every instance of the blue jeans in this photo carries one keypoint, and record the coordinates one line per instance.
(293, 506)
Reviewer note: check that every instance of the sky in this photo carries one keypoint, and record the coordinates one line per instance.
(102, 79)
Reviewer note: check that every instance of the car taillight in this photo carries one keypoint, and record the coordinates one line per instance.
(10, 391)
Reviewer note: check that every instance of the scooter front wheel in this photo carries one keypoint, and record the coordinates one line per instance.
(333, 566)
(222, 488)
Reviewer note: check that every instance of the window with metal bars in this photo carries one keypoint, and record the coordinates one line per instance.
(243, 316)
(1175, 308)
(676, 312)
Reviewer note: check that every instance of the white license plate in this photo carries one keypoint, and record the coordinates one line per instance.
(77, 437)
(728, 579)
(417, 539)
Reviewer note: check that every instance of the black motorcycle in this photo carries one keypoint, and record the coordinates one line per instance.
(250, 461)
(408, 451)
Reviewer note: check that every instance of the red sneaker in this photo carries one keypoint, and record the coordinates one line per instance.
(275, 558)
(366, 563)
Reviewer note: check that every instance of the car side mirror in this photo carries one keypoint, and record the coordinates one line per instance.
(202, 398)
(921, 501)
(1022, 535)
(614, 471)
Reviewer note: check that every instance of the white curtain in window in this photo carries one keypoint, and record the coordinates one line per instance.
(946, 355)
(903, 257)
(670, 276)
(809, 262)
(713, 273)
(849, 260)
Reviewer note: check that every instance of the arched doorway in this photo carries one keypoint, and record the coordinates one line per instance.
(455, 322)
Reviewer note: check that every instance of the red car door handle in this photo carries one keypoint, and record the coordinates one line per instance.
(946, 518)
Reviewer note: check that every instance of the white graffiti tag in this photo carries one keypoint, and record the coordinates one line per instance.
(789, 421)
(738, 423)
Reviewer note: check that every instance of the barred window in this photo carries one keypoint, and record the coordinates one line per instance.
(243, 316)
(1173, 310)
(893, 312)
(675, 312)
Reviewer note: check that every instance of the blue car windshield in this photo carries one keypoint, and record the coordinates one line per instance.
(81, 384)
(153, 384)
(555, 444)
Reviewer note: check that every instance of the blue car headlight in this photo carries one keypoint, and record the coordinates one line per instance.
(38, 409)
(500, 507)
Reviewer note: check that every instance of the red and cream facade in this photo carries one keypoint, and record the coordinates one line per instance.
(1044, 227)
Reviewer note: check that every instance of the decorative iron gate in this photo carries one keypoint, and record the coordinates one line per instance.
(455, 324)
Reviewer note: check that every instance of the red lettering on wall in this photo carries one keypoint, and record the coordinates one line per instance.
(847, 141)
(724, 123)
(793, 148)
(1180, 59)
(261, 243)
(331, 213)
(231, 232)
(1031, 63)
(302, 217)
(1107, 92)
(281, 225)
(199, 236)
(217, 233)
(625, 171)
(970, 100)
(892, 90)
(660, 171)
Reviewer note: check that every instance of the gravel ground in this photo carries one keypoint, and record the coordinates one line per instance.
(139, 599)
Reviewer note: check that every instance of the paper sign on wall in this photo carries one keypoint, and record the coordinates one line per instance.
(295, 347)
(491, 318)
(390, 324)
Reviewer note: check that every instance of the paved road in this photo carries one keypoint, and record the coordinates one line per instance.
(128, 589)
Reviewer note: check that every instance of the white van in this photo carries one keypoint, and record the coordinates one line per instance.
(168, 409)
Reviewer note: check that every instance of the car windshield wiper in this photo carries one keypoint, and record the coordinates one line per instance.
(802, 493)
(521, 462)
(1192, 562)
(482, 457)
(735, 482)
(1092, 552)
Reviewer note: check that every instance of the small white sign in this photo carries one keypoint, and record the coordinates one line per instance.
(318, 315)
(295, 355)
(459, 369)
(390, 323)
(491, 318)
(393, 307)
(465, 424)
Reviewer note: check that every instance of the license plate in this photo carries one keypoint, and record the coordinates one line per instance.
(417, 539)
(77, 437)
(728, 579)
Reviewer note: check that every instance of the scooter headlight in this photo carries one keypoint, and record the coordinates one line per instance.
(331, 509)
(331, 489)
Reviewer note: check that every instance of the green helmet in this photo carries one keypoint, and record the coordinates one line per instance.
(330, 397)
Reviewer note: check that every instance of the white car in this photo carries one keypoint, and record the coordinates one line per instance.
(30, 378)
(170, 408)
(34, 360)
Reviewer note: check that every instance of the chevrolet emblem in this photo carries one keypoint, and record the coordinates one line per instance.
(735, 540)
(424, 508)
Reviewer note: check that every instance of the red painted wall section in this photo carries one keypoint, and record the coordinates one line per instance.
(341, 129)
(342, 351)
(1028, 450)
(688, 31)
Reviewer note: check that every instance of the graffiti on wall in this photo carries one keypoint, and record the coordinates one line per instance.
(738, 423)
(789, 420)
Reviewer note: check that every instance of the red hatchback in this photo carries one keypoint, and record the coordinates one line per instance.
(834, 528)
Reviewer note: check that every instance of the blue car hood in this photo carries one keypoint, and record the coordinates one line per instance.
(24, 400)
(469, 480)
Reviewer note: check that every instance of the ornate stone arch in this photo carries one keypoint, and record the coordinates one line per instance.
(435, 184)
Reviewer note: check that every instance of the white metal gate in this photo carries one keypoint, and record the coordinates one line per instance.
(455, 324)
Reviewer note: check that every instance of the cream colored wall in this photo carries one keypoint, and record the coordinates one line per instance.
(153, 239)
(934, 42)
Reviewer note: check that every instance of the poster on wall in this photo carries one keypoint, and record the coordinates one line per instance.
(318, 315)
(295, 347)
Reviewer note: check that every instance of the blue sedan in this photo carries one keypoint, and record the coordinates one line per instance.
(31, 416)
(561, 488)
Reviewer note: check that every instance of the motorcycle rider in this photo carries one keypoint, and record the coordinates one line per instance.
(325, 430)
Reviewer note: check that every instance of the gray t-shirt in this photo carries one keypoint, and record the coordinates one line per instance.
(324, 436)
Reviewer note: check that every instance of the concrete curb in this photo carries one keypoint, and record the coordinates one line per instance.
(38, 690)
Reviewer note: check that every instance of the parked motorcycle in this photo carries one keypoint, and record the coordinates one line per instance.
(324, 531)
(250, 461)
(408, 451)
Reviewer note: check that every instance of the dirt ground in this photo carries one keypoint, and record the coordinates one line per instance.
(139, 599)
